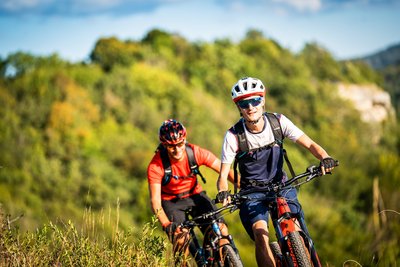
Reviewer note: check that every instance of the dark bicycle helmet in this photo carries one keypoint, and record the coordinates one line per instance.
(246, 87)
(171, 132)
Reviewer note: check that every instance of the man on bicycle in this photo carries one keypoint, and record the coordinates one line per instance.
(262, 162)
(173, 184)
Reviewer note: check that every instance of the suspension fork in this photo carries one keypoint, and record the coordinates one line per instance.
(213, 238)
(284, 223)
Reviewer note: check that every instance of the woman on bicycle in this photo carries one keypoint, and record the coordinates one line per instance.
(262, 162)
(172, 178)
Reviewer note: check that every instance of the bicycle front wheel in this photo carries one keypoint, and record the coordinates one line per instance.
(230, 257)
(298, 254)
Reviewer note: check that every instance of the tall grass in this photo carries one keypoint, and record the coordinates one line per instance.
(61, 244)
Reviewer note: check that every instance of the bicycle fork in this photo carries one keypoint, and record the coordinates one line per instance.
(284, 224)
(285, 221)
(217, 241)
(204, 255)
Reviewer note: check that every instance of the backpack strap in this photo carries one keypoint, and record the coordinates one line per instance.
(276, 127)
(166, 164)
(238, 130)
(278, 135)
(194, 167)
(235, 176)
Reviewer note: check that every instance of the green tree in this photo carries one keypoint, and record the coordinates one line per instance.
(321, 62)
(109, 52)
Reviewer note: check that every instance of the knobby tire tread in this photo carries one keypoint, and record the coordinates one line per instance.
(276, 250)
(230, 257)
(300, 251)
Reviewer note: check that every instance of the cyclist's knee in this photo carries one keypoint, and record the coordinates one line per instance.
(224, 228)
(224, 232)
(260, 231)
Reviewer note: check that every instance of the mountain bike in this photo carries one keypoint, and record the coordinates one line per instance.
(216, 249)
(294, 246)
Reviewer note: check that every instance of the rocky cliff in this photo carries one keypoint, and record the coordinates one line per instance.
(372, 102)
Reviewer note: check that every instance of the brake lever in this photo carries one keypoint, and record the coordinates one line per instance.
(234, 207)
(313, 171)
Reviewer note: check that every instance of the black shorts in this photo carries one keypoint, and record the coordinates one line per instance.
(194, 205)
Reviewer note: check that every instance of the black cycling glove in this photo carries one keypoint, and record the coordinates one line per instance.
(221, 196)
(171, 228)
(328, 163)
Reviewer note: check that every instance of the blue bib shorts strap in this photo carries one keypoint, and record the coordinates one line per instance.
(262, 165)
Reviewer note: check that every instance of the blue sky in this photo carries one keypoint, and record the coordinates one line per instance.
(70, 28)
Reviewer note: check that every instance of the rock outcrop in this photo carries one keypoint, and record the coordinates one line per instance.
(373, 102)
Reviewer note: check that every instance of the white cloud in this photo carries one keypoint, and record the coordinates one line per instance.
(302, 5)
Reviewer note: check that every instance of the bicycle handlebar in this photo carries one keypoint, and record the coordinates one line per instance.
(311, 173)
(194, 221)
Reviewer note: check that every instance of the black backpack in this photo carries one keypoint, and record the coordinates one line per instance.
(238, 130)
(194, 168)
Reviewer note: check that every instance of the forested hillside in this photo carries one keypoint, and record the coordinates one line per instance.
(78, 137)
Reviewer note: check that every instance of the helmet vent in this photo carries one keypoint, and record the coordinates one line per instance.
(247, 86)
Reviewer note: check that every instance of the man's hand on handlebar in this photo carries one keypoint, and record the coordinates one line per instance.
(223, 197)
(328, 164)
(171, 228)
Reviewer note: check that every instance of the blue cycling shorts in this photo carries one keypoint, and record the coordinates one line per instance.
(255, 209)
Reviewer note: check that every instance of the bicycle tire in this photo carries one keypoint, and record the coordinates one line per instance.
(300, 256)
(276, 251)
(230, 257)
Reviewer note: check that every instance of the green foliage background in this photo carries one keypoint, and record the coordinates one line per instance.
(75, 136)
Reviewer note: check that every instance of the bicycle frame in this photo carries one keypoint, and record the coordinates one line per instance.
(211, 253)
(289, 229)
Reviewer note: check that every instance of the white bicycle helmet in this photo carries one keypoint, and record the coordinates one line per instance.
(246, 87)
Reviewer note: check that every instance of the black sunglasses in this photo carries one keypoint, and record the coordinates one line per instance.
(245, 104)
(171, 146)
